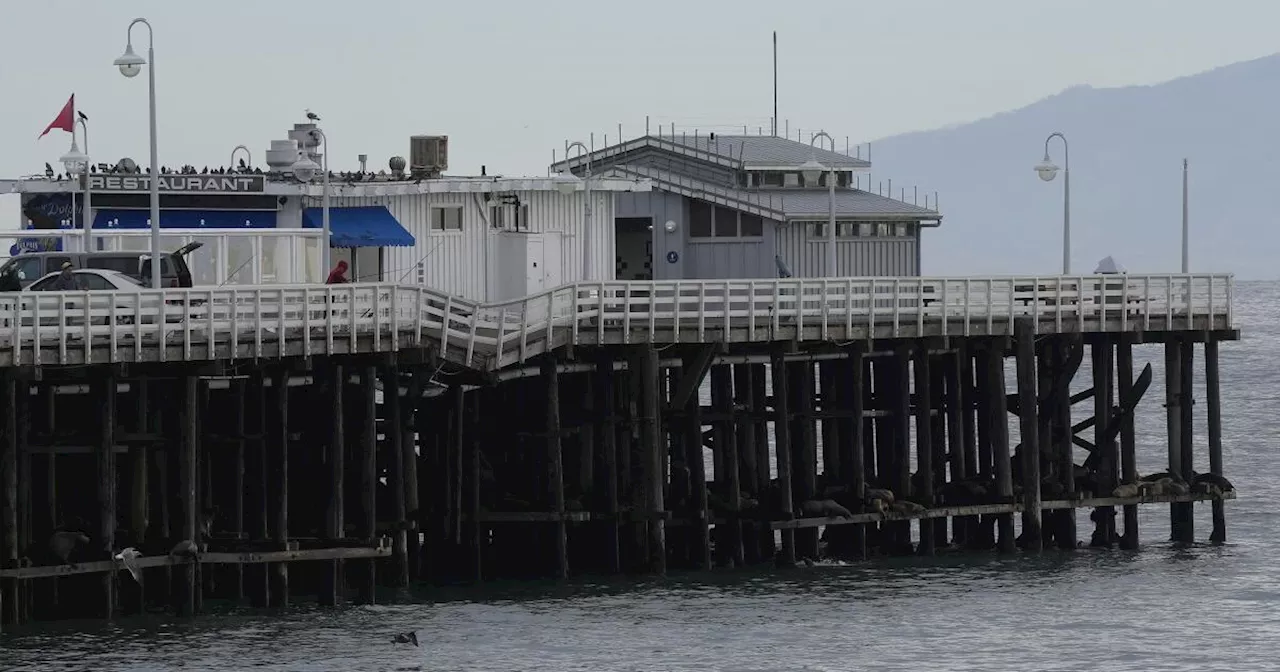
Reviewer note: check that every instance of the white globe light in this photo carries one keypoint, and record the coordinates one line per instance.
(566, 183)
(1047, 170)
(305, 169)
(812, 170)
(130, 64)
(74, 160)
(670, 226)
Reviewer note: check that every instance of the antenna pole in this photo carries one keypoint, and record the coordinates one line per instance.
(775, 84)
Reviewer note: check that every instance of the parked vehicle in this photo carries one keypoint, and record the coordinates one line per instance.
(174, 271)
(101, 288)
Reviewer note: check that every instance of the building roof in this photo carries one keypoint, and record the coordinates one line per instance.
(778, 204)
(739, 152)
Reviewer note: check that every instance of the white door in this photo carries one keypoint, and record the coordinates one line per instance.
(536, 268)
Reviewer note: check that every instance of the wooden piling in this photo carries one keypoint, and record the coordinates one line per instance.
(1028, 427)
(278, 486)
(1103, 400)
(998, 430)
(395, 476)
(608, 432)
(475, 458)
(9, 597)
(331, 583)
(237, 402)
(782, 445)
(729, 480)
(106, 537)
(1128, 439)
(759, 405)
(923, 494)
(651, 442)
(409, 459)
(804, 450)
(938, 436)
(184, 597)
(748, 458)
(555, 466)
(367, 465)
(1173, 423)
(257, 576)
(1186, 445)
(956, 407)
(854, 384)
(1213, 404)
(699, 515)
(1065, 531)
(900, 407)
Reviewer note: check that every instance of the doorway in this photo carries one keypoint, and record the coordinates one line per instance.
(634, 259)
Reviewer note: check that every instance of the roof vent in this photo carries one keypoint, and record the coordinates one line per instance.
(428, 155)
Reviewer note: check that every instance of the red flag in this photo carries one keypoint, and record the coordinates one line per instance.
(66, 118)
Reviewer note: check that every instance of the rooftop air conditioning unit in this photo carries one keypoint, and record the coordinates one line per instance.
(428, 155)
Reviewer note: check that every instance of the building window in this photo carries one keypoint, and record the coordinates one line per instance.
(751, 226)
(726, 223)
(791, 179)
(509, 217)
(699, 219)
(862, 229)
(446, 218)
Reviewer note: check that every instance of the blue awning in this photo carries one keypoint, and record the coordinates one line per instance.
(369, 226)
(186, 219)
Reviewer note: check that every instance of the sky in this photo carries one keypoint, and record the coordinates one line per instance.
(509, 81)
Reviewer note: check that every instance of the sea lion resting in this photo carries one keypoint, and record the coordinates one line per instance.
(825, 508)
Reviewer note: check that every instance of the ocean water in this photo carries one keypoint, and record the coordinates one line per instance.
(1163, 607)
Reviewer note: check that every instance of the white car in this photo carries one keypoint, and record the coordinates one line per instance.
(102, 287)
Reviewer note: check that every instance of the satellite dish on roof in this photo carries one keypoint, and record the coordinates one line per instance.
(1109, 265)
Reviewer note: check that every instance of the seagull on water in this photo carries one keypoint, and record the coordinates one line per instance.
(129, 557)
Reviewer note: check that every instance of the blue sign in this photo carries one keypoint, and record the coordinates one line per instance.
(673, 257)
(35, 245)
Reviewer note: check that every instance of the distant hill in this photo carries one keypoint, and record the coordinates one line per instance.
(1127, 146)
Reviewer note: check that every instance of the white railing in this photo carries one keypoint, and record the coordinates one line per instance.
(288, 320)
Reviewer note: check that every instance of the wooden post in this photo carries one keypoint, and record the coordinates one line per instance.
(901, 422)
(1128, 440)
(257, 576)
(409, 459)
(1173, 423)
(699, 536)
(474, 458)
(764, 474)
(977, 451)
(331, 583)
(782, 444)
(608, 443)
(106, 399)
(1213, 403)
(1103, 399)
(923, 490)
(998, 430)
(1066, 526)
(729, 479)
(1186, 444)
(237, 401)
(395, 475)
(955, 401)
(853, 385)
(555, 465)
(1028, 428)
(9, 597)
(938, 436)
(832, 457)
(367, 523)
(279, 507)
(804, 451)
(184, 598)
(748, 464)
(651, 441)
(50, 425)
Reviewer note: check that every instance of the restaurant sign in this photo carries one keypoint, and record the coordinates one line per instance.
(204, 184)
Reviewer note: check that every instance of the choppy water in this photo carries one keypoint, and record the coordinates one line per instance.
(1160, 608)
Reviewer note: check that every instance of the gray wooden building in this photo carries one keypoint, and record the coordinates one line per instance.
(739, 206)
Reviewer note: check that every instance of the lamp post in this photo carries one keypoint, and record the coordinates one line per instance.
(249, 163)
(77, 164)
(567, 183)
(1047, 170)
(130, 65)
(305, 170)
(812, 170)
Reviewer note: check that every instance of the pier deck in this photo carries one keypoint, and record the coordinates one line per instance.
(568, 431)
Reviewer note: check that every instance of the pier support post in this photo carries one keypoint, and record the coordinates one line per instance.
(257, 576)
(782, 444)
(1173, 422)
(853, 431)
(395, 475)
(922, 492)
(1065, 532)
(698, 515)
(367, 459)
(474, 460)
(955, 403)
(185, 597)
(651, 444)
(764, 474)
(1028, 427)
(1103, 400)
(1128, 439)
(409, 459)
(1186, 444)
(729, 542)
(106, 537)
(900, 398)
(608, 442)
(238, 392)
(331, 584)
(10, 600)
(804, 450)
(998, 431)
(279, 446)
(1213, 404)
(555, 466)
(748, 458)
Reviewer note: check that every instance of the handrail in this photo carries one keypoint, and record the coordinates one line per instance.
(39, 328)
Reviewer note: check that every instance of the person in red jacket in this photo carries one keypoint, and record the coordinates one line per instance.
(338, 275)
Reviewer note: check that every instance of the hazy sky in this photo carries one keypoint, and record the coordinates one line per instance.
(510, 80)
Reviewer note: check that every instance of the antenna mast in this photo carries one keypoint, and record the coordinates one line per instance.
(775, 84)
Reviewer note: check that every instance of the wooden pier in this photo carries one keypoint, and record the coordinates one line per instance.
(332, 443)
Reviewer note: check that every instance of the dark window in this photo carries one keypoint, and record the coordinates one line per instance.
(446, 218)
(55, 263)
(772, 178)
(123, 264)
(752, 225)
(43, 284)
(93, 281)
(699, 219)
(28, 269)
(726, 223)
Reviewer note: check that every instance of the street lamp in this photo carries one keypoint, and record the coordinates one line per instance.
(812, 169)
(305, 170)
(130, 65)
(564, 187)
(77, 164)
(1047, 171)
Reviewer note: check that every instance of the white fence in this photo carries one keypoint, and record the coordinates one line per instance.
(284, 320)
